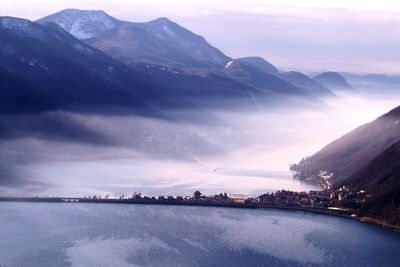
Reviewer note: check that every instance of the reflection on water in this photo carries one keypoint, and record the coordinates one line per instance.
(139, 235)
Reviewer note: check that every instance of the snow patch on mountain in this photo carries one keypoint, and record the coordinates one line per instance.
(83, 48)
(22, 26)
(168, 31)
(83, 24)
(227, 66)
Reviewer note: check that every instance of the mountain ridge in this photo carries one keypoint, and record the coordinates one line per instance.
(51, 61)
(170, 36)
(333, 80)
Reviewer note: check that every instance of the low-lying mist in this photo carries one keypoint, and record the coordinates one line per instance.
(244, 151)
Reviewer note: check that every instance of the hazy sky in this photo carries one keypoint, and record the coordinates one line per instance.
(350, 35)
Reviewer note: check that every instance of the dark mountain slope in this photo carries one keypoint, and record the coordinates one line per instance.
(59, 69)
(18, 95)
(352, 152)
(381, 178)
(381, 174)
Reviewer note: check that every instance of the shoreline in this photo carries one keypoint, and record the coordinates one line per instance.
(322, 211)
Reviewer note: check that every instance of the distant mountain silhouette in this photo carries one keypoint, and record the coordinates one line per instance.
(379, 83)
(259, 63)
(333, 81)
(306, 83)
(159, 41)
(250, 73)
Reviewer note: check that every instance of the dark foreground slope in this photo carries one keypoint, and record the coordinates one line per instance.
(352, 152)
(366, 159)
(382, 179)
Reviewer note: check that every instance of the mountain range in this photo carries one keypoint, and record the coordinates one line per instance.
(106, 60)
(157, 41)
(163, 42)
(380, 83)
(43, 67)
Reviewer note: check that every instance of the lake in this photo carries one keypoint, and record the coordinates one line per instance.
(66, 234)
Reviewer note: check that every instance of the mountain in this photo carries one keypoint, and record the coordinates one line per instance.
(83, 24)
(253, 75)
(333, 81)
(373, 82)
(43, 67)
(354, 151)
(163, 42)
(61, 71)
(184, 40)
(306, 83)
(259, 63)
(381, 175)
(159, 41)
(368, 159)
(129, 43)
(381, 178)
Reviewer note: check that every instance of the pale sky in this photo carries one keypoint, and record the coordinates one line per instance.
(309, 35)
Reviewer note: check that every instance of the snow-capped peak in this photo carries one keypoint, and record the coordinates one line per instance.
(83, 24)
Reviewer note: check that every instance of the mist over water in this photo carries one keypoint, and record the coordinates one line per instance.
(236, 151)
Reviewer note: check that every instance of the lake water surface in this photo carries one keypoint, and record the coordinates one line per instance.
(47, 234)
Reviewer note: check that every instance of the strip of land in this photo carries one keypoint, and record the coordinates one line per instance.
(321, 202)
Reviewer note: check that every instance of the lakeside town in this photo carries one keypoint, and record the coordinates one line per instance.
(343, 202)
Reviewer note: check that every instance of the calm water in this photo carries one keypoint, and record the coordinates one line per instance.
(34, 234)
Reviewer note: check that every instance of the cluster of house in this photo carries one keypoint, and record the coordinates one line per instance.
(342, 197)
